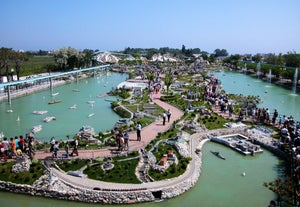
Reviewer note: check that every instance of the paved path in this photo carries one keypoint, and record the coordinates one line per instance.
(148, 133)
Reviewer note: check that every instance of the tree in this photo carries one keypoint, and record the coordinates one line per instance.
(221, 52)
(19, 58)
(168, 79)
(292, 59)
(88, 58)
(6, 57)
(270, 58)
(256, 58)
(284, 190)
(68, 58)
(183, 50)
(280, 61)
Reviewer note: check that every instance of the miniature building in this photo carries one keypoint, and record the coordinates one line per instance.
(163, 160)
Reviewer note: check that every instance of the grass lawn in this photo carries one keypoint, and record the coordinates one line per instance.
(36, 64)
(35, 172)
(71, 165)
(123, 171)
(213, 122)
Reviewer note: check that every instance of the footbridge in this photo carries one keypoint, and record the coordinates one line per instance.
(48, 77)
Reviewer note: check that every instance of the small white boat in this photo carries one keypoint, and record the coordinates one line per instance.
(76, 90)
(90, 115)
(73, 107)
(54, 94)
(49, 118)
(40, 112)
(102, 95)
(9, 111)
(1, 135)
(18, 119)
(36, 129)
(91, 102)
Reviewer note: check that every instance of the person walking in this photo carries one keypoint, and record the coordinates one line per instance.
(138, 131)
(169, 115)
(55, 149)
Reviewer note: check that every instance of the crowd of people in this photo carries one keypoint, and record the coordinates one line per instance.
(289, 128)
(122, 140)
(17, 146)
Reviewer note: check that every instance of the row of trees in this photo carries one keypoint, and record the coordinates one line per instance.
(278, 64)
(66, 58)
(183, 53)
(10, 59)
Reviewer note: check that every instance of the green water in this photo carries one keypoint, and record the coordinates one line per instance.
(273, 96)
(220, 184)
(68, 121)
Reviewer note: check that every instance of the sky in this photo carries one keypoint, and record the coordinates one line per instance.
(239, 26)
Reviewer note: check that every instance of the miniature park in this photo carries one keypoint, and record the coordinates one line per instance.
(168, 164)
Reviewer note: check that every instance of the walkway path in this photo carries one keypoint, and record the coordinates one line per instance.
(148, 133)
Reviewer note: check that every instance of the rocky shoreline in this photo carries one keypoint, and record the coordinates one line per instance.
(51, 186)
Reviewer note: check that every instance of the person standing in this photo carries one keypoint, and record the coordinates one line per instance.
(22, 143)
(164, 118)
(55, 149)
(67, 149)
(169, 115)
(138, 131)
(52, 143)
(5, 146)
(17, 142)
(126, 140)
(75, 147)
(13, 147)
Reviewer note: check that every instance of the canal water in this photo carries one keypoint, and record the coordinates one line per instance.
(221, 184)
(273, 96)
(68, 121)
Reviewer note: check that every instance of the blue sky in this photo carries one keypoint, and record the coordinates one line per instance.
(252, 26)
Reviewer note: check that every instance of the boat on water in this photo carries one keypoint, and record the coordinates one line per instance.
(18, 119)
(91, 102)
(90, 115)
(49, 118)
(109, 100)
(76, 90)
(54, 94)
(36, 129)
(2, 135)
(9, 111)
(73, 107)
(40, 112)
(55, 101)
(102, 95)
(218, 154)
